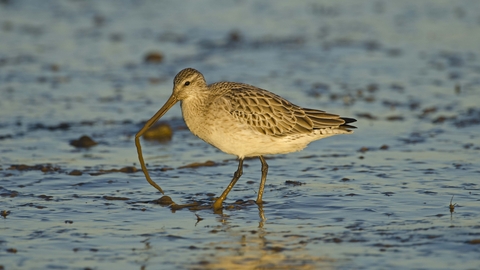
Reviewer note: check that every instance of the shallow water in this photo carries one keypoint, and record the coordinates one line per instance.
(409, 71)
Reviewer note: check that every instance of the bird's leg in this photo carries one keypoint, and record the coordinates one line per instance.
(264, 179)
(218, 203)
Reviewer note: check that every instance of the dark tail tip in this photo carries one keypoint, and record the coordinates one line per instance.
(347, 122)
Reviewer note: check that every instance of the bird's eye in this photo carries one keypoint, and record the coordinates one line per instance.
(187, 83)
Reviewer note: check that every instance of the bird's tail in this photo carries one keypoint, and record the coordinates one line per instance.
(346, 125)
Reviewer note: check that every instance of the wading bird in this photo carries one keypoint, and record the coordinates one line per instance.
(245, 121)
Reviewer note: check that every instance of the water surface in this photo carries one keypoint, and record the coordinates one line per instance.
(409, 72)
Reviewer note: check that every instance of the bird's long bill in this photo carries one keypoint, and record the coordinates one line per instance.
(170, 102)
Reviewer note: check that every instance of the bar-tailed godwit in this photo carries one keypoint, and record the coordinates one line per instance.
(245, 121)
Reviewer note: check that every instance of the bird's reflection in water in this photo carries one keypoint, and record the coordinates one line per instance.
(261, 215)
(260, 248)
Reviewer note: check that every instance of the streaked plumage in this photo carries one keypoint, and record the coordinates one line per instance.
(245, 121)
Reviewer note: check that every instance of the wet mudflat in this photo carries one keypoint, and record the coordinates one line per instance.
(380, 198)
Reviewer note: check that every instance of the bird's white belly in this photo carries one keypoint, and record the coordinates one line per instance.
(243, 141)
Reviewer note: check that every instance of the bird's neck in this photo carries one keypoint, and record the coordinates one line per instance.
(193, 108)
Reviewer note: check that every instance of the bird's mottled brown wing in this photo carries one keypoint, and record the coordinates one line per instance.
(271, 114)
(322, 119)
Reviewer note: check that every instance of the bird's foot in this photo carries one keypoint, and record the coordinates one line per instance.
(259, 202)
(218, 204)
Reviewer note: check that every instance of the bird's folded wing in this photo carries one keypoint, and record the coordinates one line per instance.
(272, 115)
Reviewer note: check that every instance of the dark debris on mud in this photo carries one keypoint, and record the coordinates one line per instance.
(83, 142)
(204, 204)
(49, 168)
(207, 163)
(38, 167)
